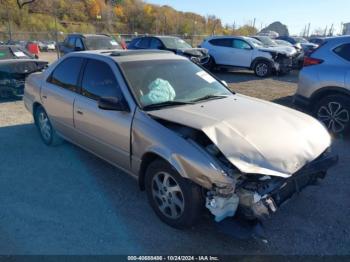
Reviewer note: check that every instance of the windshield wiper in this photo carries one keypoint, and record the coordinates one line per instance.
(166, 104)
(209, 97)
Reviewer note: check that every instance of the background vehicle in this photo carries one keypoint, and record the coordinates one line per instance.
(158, 117)
(246, 52)
(298, 58)
(294, 40)
(15, 65)
(317, 40)
(324, 84)
(173, 44)
(82, 42)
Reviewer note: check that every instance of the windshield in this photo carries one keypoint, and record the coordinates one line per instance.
(300, 40)
(255, 43)
(13, 53)
(175, 43)
(176, 81)
(267, 41)
(101, 43)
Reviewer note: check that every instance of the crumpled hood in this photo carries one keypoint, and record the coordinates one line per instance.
(256, 136)
(287, 50)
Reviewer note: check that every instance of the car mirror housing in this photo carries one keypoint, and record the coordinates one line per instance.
(113, 104)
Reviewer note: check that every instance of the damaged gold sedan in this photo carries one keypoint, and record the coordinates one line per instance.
(188, 140)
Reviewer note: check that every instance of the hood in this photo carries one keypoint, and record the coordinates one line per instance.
(197, 52)
(286, 50)
(21, 66)
(256, 136)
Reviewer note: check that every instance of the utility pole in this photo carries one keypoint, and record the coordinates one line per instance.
(308, 30)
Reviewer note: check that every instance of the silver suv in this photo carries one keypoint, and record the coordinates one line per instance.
(188, 140)
(324, 84)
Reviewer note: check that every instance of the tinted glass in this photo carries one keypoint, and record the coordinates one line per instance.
(175, 43)
(240, 44)
(143, 43)
(343, 51)
(101, 43)
(79, 44)
(66, 73)
(99, 81)
(155, 44)
(225, 42)
(71, 42)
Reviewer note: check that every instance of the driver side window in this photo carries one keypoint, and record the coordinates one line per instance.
(240, 44)
(99, 81)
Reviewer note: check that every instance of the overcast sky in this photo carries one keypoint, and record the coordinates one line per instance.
(294, 13)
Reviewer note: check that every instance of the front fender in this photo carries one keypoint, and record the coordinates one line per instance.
(149, 136)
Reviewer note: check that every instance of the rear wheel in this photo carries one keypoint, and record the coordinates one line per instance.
(262, 69)
(176, 201)
(334, 112)
(46, 130)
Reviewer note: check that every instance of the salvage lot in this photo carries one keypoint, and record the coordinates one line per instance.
(63, 200)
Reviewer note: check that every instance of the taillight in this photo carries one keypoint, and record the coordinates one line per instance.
(309, 61)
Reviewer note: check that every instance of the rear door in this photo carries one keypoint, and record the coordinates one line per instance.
(220, 49)
(59, 92)
(104, 132)
(343, 51)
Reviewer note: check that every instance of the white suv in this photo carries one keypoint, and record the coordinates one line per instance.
(247, 52)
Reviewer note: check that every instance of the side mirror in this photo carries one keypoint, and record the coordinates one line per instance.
(112, 104)
(224, 83)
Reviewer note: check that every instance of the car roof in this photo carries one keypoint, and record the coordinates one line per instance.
(227, 37)
(121, 56)
(89, 35)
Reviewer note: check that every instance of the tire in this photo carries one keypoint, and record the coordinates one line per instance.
(262, 69)
(45, 128)
(211, 65)
(179, 203)
(334, 112)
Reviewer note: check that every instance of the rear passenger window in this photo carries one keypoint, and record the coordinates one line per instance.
(343, 51)
(66, 73)
(143, 43)
(99, 81)
(224, 42)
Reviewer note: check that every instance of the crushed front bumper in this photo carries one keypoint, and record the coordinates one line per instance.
(271, 195)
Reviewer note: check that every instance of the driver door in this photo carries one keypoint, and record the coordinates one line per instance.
(106, 133)
(241, 53)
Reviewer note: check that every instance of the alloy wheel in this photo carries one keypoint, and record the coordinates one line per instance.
(44, 126)
(334, 116)
(168, 195)
(262, 69)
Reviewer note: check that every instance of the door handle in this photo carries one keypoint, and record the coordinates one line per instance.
(80, 112)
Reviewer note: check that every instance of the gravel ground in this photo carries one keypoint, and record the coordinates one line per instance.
(63, 200)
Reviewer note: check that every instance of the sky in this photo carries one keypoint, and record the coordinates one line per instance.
(296, 14)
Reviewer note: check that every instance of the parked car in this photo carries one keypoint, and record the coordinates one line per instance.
(173, 44)
(247, 52)
(324, 84)
(294, 40)
(188, 140)
(298, 58)
(15, 65)
(317, 40)
(83, 42)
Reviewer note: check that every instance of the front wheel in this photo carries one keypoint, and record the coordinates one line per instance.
(262, 69)
(176, 201)
(334, 112)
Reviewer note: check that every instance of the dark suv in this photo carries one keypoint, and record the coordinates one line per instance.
(82, 42)
(173, 44)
